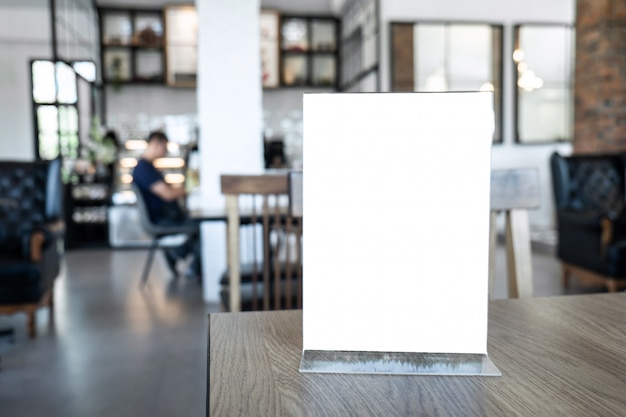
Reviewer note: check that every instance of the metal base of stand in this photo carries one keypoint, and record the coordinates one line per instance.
(399, 363)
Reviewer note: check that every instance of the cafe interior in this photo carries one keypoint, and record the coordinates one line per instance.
(95, 321)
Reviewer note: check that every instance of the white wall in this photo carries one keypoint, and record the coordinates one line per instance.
(508, 13)
(229, 112)
(24, 35)
(130, 102)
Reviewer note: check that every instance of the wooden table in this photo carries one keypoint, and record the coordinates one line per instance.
(559, 356)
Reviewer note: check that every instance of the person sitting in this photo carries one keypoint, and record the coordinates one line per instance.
(162, 203)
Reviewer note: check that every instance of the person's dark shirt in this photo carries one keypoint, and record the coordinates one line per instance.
(145, 175)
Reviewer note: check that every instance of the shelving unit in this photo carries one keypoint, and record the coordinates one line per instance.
(86, 214)
(181, 45)
(160, 46)
(132, 45)
(308, 49)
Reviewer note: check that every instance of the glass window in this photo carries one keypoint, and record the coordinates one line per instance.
(56, 114)
(443, 56)
(68, 119)
(85, 69)
(48, 145)
(471, 57)
(66, 83)
(544, 61)
(429, 58)
(47, 119)
(48, 127)
(44, 85)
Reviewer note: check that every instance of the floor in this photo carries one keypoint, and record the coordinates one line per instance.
(113, 349)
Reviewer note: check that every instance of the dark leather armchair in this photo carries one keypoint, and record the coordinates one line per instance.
(591, 220)
(31, 232)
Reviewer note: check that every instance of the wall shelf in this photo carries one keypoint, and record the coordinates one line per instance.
(132, 45)
(309, 51)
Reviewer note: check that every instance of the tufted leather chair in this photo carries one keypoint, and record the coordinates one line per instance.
(591, 217)
(31, 229)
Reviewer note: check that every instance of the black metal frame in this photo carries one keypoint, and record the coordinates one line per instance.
(309, 54)
(56, 58)
(55, 103)
(133, 49)
(345, 11)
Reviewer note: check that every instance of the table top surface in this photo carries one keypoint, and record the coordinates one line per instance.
(559, 356)
(221, 215)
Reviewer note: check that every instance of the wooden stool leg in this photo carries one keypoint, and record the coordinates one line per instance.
(565, 275)
(232, 211)
(30, 322)
(51, 302)
(493, 243)
(611, 285)
(51, 309)
(519, 262)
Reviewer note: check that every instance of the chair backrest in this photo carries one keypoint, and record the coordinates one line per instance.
(515, 189)
(54, 191)
(296, 199)
(264, 244)
(144, 215)
(31, 195)
(158, 230)
(588, 182)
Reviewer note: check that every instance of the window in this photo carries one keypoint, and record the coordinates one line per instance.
(434, 56)
(55, 99)
(544, 67)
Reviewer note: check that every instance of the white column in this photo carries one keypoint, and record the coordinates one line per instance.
(229, 113)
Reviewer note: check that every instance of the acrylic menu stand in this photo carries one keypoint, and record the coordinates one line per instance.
(396, 200)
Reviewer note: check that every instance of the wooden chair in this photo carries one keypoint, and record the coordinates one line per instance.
(513, 192)
(264, 243)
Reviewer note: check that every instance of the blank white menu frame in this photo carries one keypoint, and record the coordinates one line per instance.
(396, 230)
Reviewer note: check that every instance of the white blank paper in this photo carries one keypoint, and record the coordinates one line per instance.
(396, 230)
